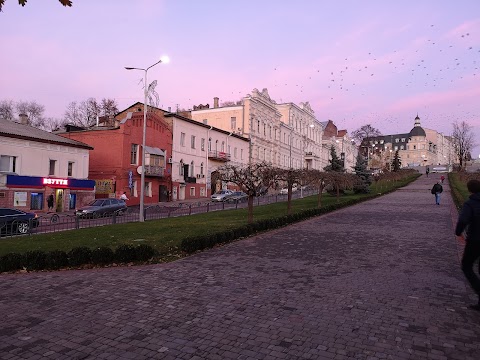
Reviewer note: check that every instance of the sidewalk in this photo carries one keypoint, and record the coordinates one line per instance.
(378, 280)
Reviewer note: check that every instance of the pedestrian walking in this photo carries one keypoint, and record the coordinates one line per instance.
(470, 219)
(427, 171)
(124, 196)
(50, 201)
(442, 178)
(437, 189)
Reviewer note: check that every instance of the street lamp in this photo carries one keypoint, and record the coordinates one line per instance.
(304, 140)
(142, 174)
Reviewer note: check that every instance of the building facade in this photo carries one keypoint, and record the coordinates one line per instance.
(198, 150)
(35, 163)
(116, 161)
(419, 147)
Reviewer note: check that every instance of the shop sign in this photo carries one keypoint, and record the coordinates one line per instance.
(130, 179)
(104, 186)
(55, 182)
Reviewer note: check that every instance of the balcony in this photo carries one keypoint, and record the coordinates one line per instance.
(190, 179)
(151, 170)
(218, 155)
(310, 156)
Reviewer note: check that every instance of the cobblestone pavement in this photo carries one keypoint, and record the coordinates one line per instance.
(378, 280)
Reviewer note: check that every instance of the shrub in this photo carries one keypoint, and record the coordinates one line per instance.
(190, 244)
(125, 253)
(35, 260)
(56, 259)
(11, 262)
(144, 252)
(102, 255)
(79, 256)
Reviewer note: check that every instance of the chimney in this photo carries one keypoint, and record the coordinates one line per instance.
(215, 102)
(23, 119)
(169, 109)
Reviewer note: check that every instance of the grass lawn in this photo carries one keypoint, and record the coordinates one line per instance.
(165, 235)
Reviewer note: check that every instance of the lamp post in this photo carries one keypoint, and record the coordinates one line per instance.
(142, 174)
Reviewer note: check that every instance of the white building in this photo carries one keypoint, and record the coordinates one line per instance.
(198, 150)
(285, 135)
(35, 163)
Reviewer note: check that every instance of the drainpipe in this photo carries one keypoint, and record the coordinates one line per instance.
(206, 161)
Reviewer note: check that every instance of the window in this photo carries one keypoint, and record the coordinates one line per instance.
(258, 126)
(192, 169)
(414, 147)
(202, 144)
(36, 201)
(241, 154)
(228, 149)
(193, 141)
(134, 154)
(403, 139)
(396, 148)
(233, 123)
(180, 168)
(8, 163)
(148, 189)
(381, 141)
(235, 152)
(70, 168)
(210, 144)
(51, 169)
(264, 130)
(205, 121)
(201, 168)
(396, 140)
(192, 191)
(156, 160)
(182, 139)
(223, 146)
(401, 147)
(133, 190)
(202, 191)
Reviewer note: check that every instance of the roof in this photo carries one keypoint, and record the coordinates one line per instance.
(417, 131)
(22, 131)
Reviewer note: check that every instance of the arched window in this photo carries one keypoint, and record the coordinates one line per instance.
(181, 168)
(216, 145)
(223, 146)
(209, 144)
(192, 169)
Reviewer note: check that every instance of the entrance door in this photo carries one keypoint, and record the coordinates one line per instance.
(59, 198)
(163, 193)
(181, 195)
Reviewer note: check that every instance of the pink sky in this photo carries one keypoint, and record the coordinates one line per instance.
(356, 62)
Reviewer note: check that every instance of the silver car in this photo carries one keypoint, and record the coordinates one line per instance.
(221, 195)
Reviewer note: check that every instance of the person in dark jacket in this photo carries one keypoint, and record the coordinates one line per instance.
(437, 189)
(469, 219)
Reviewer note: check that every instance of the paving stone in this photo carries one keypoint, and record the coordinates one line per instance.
(378, 280)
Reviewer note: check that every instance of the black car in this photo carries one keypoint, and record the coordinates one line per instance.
(13, 221)
(102, 207)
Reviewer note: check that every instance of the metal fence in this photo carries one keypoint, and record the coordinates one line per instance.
(49, 223)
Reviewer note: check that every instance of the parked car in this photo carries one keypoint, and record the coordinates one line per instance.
(284, 191)
(13, 221)
(221, 195)
(102, 207)
(236, 197)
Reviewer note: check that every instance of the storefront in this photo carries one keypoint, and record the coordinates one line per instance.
(31, 193)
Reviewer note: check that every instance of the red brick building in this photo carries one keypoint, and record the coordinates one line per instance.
(116, 161)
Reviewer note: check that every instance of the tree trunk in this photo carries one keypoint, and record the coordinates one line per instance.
(289, 200)
(320, 192)
(250, 208)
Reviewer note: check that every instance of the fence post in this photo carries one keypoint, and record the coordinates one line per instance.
(208, 207)
(77, 222)
(114, 217)
(190, 209)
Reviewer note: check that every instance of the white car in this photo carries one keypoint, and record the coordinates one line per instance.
(284, 191)
(221, 195)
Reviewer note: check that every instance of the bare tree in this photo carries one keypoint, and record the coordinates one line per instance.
(53, 124)
(7, 111)
(250, 179)
(365, 132)
(108, 107)
(23, 2)
(34, 111)
(463, 141)
(72, 114)
(290, 177)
